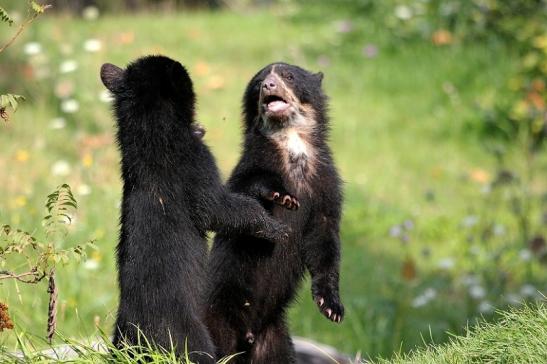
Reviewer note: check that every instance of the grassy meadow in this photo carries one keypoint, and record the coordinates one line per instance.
(404, 114)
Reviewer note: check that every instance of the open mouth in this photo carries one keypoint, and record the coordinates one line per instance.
(275, 104)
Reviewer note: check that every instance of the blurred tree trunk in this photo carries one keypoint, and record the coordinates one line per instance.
(131, 4)
(211, 4)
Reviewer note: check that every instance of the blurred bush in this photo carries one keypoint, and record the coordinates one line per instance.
(81, 6)
(521, 25)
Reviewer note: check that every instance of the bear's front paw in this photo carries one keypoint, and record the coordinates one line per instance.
(330, 306)
(284, 199)
(275, 232)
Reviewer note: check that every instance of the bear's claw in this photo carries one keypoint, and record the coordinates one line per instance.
(285, 200)
(331, 308)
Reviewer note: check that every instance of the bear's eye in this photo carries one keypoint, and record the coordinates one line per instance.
(289, 76)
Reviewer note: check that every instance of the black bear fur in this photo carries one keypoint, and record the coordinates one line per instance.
(172, 195)
(285, 152)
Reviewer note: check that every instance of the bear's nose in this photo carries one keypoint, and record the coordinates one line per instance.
(269, 83)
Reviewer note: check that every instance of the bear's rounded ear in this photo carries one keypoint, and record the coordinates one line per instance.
(111, 76)
(319, 77)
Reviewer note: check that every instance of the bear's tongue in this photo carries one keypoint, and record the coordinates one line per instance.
(277, 105)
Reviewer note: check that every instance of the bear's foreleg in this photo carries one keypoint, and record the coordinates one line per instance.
(322, 257)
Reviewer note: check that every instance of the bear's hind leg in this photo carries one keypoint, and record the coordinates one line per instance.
(273, 345)
(223, 335)
(195, 338)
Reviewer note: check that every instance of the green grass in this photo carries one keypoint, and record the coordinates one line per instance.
(400, 140)
(101, 350)
(520, 336)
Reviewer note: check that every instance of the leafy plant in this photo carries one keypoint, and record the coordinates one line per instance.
(34, 260)
(35, 10)
(60, 204)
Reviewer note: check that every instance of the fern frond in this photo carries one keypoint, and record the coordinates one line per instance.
(61, 206)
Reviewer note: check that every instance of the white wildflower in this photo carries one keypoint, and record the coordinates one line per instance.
(68, 66)
(61, 168)
(91, 264)
(430, 293)
(32, 48)
(419, 301)
(70, 106)
(424, 298)
(446, 263)
(93, 45)
(403, 12)
(477, 292)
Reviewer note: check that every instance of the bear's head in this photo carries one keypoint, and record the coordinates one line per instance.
(151, 84)
(282, 95)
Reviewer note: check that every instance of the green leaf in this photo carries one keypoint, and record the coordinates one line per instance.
(37, 7)
(11, 100)
(4, 16)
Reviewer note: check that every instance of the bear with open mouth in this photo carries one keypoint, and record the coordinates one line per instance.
(172, 195)
(252, 282)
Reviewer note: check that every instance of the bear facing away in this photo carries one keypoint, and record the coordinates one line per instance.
(172, 195)
(251, 284)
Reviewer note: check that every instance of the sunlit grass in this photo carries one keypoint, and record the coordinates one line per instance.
(520, 336)
(86, 351)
